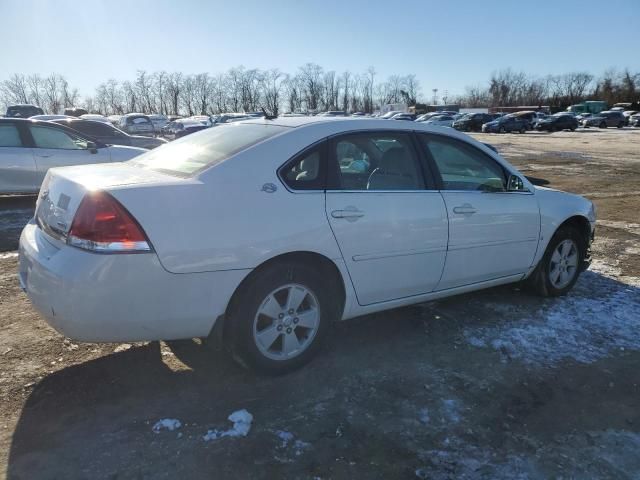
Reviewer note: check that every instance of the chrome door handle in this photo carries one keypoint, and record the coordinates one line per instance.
(347, 214)
(43, 156)
(465, 209)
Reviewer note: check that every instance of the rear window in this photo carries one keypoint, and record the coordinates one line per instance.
(192, 154)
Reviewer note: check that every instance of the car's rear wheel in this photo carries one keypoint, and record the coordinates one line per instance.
(561, 264)
(503, 130)
(281, 318)
(603, 125)
(523, 130)
(620, 125)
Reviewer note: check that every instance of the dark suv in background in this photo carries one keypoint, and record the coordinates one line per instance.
(508, 123)
(23, 111)
(472, 122)
(610, 118)
(557, 122)
(110, 135)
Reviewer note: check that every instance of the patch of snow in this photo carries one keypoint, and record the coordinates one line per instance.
(6, 255)
(170, 424)
(423, 415)
(285, 436)
(451, 410)
(123, 347)
(600, 315)
(241, 419)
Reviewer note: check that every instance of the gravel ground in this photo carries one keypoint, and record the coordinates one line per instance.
(495, 384)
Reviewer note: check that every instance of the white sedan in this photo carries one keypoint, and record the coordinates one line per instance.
(28, 148)
(270, 230)
(441, 120)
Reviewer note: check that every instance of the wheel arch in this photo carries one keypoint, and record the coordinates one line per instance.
(322, 262)
(581, 224)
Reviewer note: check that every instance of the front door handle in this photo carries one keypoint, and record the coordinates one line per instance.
(466, 209)
(347, 213)
(43, 155)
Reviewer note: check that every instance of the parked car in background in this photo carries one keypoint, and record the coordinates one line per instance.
(440, 120)
(173, 118)
(95, 117)
(203, 119)
(228, 117)
(136, 124)
(472, 122)
(530, 116)
(582, 116)
(558, 121)
(181, 128)
(23, 110)
(404, 116)
(506, 124)
(114, 119)
(608, 118)
(634, 120)
(108, 134)
(152, 249)
(333, 113)
(390, 114)
(28, 148)
(158, 121)
(75, 111)
(49, 117)
(628, 114)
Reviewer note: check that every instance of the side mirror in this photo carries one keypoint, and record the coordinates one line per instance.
(92, 147)
(515, 184)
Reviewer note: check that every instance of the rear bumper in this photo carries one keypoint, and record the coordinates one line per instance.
(115, 298)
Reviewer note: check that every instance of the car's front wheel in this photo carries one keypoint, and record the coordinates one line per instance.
(561, 264)
(281, 317)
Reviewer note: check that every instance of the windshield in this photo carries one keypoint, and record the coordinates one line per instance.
(193, 154)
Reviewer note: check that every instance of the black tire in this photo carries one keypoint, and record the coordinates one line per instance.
(620, 125)
(602, 125)
(244, 309)
(523, 130)
(540, 279)
(502, 130)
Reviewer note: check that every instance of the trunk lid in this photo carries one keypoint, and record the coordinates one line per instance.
(64, 188)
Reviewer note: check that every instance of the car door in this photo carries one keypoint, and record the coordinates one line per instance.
(493, 232)
(55, 147)
(18, 173)
(390, 225)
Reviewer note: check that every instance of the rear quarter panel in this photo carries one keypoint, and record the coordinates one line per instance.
(223, 220)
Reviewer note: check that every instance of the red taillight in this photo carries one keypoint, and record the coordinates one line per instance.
(102, 224)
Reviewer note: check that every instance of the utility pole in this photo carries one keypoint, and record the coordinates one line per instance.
(435, 96)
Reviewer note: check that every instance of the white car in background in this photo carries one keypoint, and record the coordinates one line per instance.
(94, 117)
(440, 120)
(50, 117)
(265, 231)
(29, 148)
(158, 121)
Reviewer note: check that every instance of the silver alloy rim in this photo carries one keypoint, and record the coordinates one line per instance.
(286, 322)
(564, 264)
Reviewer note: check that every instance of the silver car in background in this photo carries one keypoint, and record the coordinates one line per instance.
(136, 124)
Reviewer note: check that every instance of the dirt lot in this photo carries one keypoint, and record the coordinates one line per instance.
(497, 384)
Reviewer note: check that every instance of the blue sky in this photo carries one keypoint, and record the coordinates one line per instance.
(447, 44)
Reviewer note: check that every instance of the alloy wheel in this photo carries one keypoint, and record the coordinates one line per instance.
(286, 322)
(563, 265)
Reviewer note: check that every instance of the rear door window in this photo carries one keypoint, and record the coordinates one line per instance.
(375, 161)
(45, 137)
(9, 136)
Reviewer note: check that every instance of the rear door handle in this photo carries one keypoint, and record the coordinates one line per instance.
(347, 213)
(466, 209)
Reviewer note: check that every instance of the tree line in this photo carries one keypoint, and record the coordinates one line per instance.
(310, 89)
